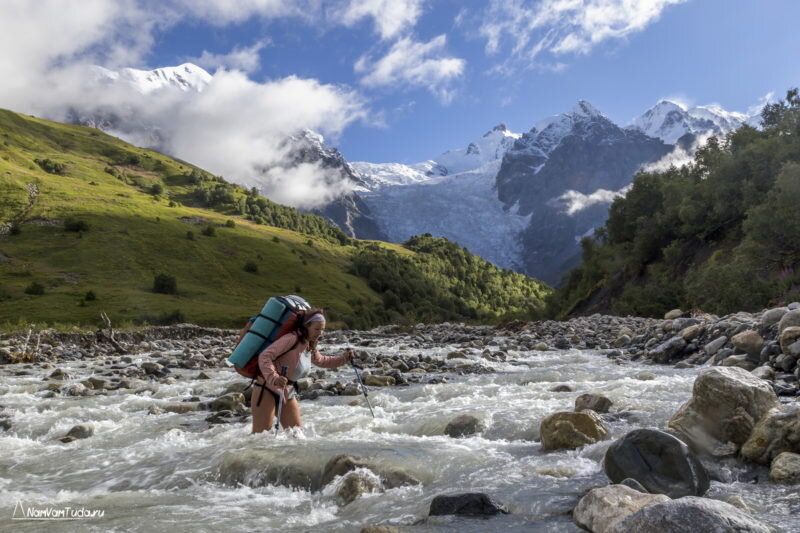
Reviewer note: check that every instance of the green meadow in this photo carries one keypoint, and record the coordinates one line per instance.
(88, 221)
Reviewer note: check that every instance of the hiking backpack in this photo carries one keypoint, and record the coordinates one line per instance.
(279, 316)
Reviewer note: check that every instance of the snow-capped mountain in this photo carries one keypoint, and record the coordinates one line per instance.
(669, 121)
(491, 146)
(186, 77)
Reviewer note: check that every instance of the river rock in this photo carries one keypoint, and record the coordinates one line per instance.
(740, 361)
(541, 346)
(689, 513)
(81, 431)
(456, 355)
(726, 403)
(356, 484)
(257, 468)
(183, 407)
(468, 504)
(660, 462)
(568, 430)
(692, 332)
(773, 316)
(749, 342)
(379, 381)
(665, 351)
(240, 386)
(789, 320)
(778, 431)
(463, 425)
(75, 389)
(764, 372)
(561, 388)
(714, 346)
(394, 477)
(380, 529)
(788, 337)
(340, 465)
(671, 315)
(785, 468)
(151, 368)
(595, 402)
(227, 402)
(603, 507)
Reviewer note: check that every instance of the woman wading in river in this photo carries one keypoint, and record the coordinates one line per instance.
(295, 350)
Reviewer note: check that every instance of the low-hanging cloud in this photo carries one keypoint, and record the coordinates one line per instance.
(234, 126)
(571, 202)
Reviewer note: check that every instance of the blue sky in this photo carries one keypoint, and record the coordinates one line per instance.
(730, 52)
(392, 80)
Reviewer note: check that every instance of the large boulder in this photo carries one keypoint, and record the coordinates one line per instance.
(603, 507)
(785, 468)
(463, 425)
(749, 342)
(671, 315)
(778, 431)
(468, 504)
(567, 430)
(594, 402)
(665, 351)
(660, 462)
(726, 404)
(690, 513)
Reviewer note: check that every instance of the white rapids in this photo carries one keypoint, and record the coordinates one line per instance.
(159, 472)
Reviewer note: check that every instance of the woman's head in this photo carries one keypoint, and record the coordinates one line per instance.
(312, 325)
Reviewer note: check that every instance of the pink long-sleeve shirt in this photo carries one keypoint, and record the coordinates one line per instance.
(273, 358)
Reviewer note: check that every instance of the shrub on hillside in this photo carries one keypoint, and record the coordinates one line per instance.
(90, 296)
(230, 223)
(35, 288)
(156, 189)
(51, 166)
(73, 224)
(190, 235)
(165, 284)
(251, 266)
(209, 231)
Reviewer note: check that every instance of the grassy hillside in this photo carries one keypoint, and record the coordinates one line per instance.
(87, 222)
(721, 234)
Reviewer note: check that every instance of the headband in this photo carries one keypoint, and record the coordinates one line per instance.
(316, 317)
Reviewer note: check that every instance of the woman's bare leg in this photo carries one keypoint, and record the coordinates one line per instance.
(290, 415)
(264, 414)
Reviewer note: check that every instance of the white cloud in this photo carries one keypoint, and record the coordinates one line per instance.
(416, 64)
(391, 17)
(245, 59)
(235, 127)
(572, 201)
(555, 28)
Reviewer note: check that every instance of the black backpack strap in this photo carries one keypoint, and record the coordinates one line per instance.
(264, 386)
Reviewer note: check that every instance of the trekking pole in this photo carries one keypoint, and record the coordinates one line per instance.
(363, 387)
(284, 370)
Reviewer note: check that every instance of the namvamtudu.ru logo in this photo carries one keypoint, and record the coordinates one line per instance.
(49, 512)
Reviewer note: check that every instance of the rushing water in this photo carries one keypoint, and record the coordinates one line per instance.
(173, 472)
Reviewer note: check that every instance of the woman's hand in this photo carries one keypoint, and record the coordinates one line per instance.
(281, 381)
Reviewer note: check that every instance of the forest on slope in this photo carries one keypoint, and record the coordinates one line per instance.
(721, 234)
